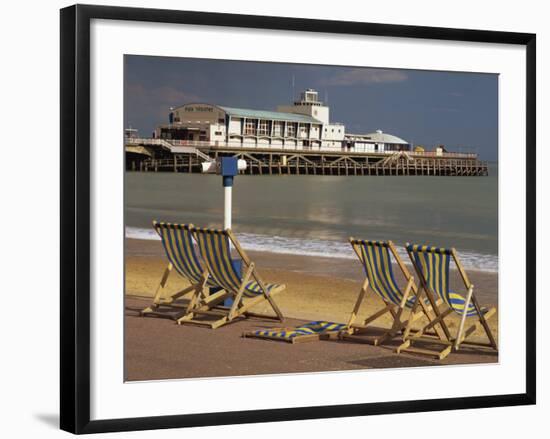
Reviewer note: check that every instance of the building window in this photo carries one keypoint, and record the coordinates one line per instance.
(250, 127)
(218, 133)
(291, 130)
(263, 128)
(277, 128)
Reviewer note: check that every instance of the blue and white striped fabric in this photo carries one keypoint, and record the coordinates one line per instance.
(377, 262)
(434, 264)
(215, 252)
(317, 327)
(180, 251)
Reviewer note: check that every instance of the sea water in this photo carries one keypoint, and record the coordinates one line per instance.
(315, 215)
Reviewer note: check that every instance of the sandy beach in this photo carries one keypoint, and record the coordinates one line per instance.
(318, 288)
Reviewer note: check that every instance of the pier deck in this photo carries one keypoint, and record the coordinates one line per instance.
(307, 162)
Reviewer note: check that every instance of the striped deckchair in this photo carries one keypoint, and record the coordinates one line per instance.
(179, 248)
(215, 250)
(376, 258)
(310, 331)
(432, 265)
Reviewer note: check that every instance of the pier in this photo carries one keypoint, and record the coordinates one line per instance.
(161, 155)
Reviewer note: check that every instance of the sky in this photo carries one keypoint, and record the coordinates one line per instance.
(458, 110)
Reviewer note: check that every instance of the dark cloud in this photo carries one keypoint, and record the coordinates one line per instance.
(364, 77)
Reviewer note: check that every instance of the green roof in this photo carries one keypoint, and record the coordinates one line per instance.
(270, 115)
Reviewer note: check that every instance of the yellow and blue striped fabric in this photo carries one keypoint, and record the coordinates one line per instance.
(178, 245)
(377, 262)
(434, 264)
(310, 328)
(216, 254)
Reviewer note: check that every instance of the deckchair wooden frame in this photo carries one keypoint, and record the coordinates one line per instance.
(160, 301)
(202, 305)
(462, 335)
(293, 340)
(356, 332)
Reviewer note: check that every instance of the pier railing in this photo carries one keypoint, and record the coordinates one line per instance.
(449, 155)
(181, 147)
(169, 144)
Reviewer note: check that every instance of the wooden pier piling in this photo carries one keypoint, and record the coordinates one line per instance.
(299, 162)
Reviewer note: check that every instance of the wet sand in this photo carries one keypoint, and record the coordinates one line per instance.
(317, 289)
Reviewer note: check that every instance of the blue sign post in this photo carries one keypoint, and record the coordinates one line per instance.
(228, 170)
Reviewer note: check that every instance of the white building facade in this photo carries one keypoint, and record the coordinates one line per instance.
(303, 125)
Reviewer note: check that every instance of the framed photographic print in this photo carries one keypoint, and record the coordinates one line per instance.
(268, 218)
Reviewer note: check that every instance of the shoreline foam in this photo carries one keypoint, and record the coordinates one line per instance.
(319, 248)
(343, 273)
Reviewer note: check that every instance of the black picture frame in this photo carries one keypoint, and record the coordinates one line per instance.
(75, 217)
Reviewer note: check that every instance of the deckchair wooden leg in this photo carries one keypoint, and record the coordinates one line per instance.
(210, 302)
(423, 290)
(222, 321)
(418, 300)
(476, 326)
(388, 335)
(238, 297)
(397, 326)
(408, 339)
(437, 313)
(250, 303)
(357, 305)
(392, 312)
(463, 318)
(395, 310)
(199, 290)
(267, 295)
(407, 346)
(255, 274)
(483, 319)
(434, 322)
(215, 299)
(438, 329)
(193, 302)
(158, 300)
(207, 304)
(159, 290)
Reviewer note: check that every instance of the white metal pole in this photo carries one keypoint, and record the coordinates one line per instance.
(227, 207)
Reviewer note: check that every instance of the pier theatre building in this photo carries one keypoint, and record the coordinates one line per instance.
(292, 139)
(303, 125)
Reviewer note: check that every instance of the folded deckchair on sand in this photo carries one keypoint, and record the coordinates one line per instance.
(432, 265)
(376, 258)
(181, 253)
(311, 331)
(245, 286)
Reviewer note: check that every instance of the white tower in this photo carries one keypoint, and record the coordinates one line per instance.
(310, 105)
